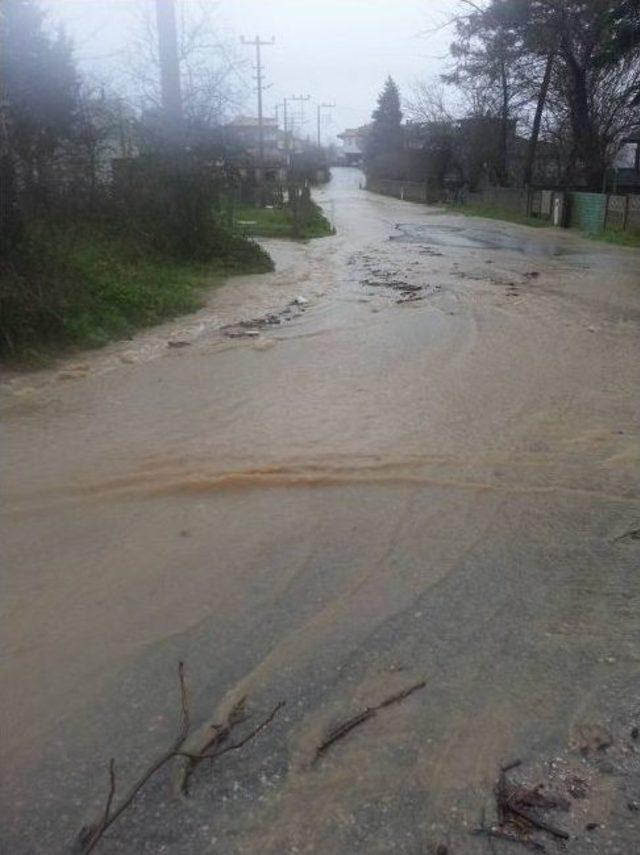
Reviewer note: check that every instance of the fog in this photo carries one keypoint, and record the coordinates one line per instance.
(337, 51)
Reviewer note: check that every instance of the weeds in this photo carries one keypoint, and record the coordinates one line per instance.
(280, 222)
(82, 286)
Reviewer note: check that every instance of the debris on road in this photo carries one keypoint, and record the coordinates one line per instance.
(207, 743)
(519, 810)
(252, 327)
(345, 727)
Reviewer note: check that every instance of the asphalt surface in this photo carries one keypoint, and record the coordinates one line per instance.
(417, 460)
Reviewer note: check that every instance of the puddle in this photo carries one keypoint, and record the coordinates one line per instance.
(461, 237)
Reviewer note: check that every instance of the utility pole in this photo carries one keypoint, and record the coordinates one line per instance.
(300, 99)
(320, 108)
(285, 117)
(169, 67)
(259, 43)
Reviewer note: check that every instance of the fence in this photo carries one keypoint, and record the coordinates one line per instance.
(592, 213)
(410, 191)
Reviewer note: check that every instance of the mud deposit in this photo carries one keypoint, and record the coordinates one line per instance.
(391, 463)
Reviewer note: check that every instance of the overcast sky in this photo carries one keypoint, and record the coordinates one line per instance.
(333, 50)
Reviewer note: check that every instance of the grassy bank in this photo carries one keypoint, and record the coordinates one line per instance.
(609, 236)
(490, 212)
(83, 286)
(617, 238)
(280, 222)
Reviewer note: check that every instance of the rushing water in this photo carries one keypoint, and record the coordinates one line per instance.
(420, 472)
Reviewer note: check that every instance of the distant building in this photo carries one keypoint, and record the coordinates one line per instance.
(626, 167)
(244, 133)
(353, 145)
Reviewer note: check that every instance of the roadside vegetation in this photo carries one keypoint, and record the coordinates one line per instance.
(106, 224)
(283, 222)
(84, 285)
(491, 212)
(536, 96)
(618, 238)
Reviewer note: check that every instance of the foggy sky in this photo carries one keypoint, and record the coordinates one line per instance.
(334, 50)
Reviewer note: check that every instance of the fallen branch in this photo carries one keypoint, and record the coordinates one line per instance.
(498, 834)
(367, 713)
(202, 744)
(209, 755)
(112, 790)
(91, 835)
(514, 805)
(540, 824)
(185, 721)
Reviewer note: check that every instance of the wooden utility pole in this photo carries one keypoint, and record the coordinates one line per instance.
(258, 43)
(301, 100)
(320, 108)
(169, 66)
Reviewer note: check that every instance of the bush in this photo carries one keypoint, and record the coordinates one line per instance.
(168, 206)
(85, 285)
(151, 244)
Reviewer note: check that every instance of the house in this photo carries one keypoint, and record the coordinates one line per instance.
(353, 145)
(244, 133)
(626, 166)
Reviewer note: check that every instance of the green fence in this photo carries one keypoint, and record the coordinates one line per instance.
(587, 212)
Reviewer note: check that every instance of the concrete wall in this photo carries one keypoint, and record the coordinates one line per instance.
(411, 191)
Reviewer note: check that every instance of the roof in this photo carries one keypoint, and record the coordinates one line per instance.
(354, 132)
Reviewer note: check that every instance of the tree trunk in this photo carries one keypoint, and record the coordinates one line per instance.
(10, 219)
(537, 121)
(587, 142)
(504, 140)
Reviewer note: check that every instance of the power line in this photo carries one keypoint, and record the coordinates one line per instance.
(300, 99)
(259, 43)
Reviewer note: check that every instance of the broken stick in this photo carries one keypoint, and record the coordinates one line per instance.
(350, 724)
(91, 835)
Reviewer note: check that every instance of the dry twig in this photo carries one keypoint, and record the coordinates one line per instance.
(347, 726)
(498, 834)
(91, 835)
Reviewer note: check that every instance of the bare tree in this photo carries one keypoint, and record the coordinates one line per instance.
(213, 75)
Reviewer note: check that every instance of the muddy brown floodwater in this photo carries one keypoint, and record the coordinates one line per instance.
(428, 469)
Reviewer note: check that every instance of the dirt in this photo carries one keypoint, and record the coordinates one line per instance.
(360, 498)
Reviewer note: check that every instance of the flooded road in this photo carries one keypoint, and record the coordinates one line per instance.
(426, 469)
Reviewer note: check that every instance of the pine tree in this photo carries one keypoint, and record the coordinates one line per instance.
(384, 148)
(39, 87)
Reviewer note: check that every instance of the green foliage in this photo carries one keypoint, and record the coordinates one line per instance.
(38, 88)
(85, 285)
(492, 212)
(279, 222)
(168, 204)
(118, 257)
(618, 238)
(384, 144)
(39, 83)
(504, 50)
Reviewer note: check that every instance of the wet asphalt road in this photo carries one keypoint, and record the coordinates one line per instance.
(426, 471)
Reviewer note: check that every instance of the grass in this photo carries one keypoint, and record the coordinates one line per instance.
(492, 213)
(617, 238)
(279, 222)
(82, 287)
